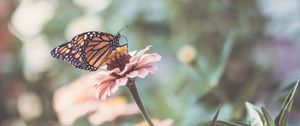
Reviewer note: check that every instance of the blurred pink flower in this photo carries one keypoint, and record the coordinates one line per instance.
(166, 122)
(122, 68)
(77, 99)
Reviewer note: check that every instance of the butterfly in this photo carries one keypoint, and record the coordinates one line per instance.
(89, 50)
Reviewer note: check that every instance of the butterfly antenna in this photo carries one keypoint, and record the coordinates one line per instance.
(124, 28)
(125, 39)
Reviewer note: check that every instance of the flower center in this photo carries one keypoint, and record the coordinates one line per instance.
(118, 61)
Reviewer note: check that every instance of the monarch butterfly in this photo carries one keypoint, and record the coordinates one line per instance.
(88, 50)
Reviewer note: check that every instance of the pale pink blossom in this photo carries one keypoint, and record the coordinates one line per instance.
(77, 99)
(122, 68)
(156, 122)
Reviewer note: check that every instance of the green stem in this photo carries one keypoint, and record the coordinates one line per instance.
(132, 88)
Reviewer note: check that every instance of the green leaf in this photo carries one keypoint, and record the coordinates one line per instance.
(282, 117)
(223, 123)
(227, 48)
(215, 117)
(268, 117)
(255, 116)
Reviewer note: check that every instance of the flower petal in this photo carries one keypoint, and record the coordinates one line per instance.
(132, 53)
(166, 122)
(113, 88)
(102, 77)
(112, 108)
(132, 74)
(119, 82)
(144, 71)
(122, 81)
(104, 89)
(128, 67)
(148, 58)
(139, 54)
(151, 68)
(74, 100)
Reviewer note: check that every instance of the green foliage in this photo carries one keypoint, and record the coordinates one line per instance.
(255, 116)
(268, 117)
(281, 119)
(216, 122)
(258, 118)
(224, 123)
(263, 118)
(213, 122)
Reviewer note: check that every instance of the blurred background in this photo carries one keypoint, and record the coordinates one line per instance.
(216, 51)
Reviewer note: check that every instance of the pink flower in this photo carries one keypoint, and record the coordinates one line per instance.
(156, 122)
(122, 68)
(77, 99)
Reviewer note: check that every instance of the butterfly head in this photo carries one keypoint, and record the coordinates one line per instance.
(118, 36)
(117, 39)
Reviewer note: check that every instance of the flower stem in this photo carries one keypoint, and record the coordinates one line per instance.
(132, 88)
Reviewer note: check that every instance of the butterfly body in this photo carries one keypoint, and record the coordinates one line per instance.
(88, 50)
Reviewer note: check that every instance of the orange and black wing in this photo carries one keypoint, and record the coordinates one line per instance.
(68, 53)
(97, 50)
(81, 40)
(87, 50)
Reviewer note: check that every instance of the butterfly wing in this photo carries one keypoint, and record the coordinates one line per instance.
(86, 51)
(97, 50)
(68, 53)
(80, 41)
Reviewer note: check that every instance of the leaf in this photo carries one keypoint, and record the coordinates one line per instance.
(246, 93)
(215, 117)
(255, 116)
(268, 117)
(227, 48)
(223, 123)
(282, 117)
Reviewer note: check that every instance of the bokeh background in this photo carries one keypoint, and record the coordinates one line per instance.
(213, 51)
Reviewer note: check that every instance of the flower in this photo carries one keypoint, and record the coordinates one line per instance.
(187, 54)
(33, 67)
(166, 122)
(93, 6)
(123, 67)
(77, 99)
(29, 105)
(36, 13)
(111, 109)
(87, 22)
